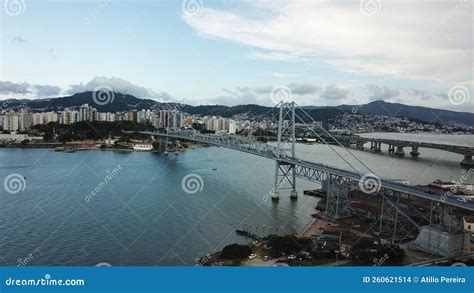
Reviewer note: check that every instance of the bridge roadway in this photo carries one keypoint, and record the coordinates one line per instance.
(305, 169)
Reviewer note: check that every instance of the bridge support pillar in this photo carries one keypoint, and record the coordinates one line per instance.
(293, 194)
(399, 152)
(378, 147)
(275, 195)
(467, 161)
(414, 151)
(391, 148)
(360, 145)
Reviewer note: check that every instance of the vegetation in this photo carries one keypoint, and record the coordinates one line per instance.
(288, 244)
(367, 252)
(85, 130)
(235, 251)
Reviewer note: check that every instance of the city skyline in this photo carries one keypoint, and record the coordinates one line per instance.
(205, 52)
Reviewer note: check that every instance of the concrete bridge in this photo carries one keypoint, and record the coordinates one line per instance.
(397, 147)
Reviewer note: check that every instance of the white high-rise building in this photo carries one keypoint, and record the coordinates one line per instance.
(232, 127)
(38, 118)
(25, 120)
(11, 121)
(69, 117)
(50, 117)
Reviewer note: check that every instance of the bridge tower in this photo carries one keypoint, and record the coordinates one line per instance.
(285, 173)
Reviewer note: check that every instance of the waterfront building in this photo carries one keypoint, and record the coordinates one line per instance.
(11, 121)
(25, 120)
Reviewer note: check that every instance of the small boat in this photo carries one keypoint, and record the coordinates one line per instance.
(176, 153)
(142, 147)
(70, 150)
(165, 153)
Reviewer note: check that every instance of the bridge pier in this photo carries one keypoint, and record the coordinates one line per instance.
(275, 195)
(399, 152)
(360, 145)
(378, 147)
(467, 161)
(293, 194)
(414, 151)
(391, 149)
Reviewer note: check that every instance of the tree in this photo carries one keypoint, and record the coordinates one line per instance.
(235, 251)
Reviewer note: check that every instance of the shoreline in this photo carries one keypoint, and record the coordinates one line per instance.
(73, 146)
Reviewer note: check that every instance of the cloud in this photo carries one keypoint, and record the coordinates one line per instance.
(382, 93)
(237, 99)
(27, 90)
(333, 93)
(123, 86)
(303, 88)
(47, 90)
(425, 40)
(422, 94)
(8, 87)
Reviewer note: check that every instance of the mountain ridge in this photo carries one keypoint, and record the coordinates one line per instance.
(126, 102)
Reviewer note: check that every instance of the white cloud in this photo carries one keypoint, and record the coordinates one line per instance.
(120, 85)
(424, 40)
(333, 93)
(382, 93)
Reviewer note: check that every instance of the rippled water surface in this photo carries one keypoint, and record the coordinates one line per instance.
(142, 215)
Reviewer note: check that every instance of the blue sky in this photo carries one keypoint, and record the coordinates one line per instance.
(232, 52)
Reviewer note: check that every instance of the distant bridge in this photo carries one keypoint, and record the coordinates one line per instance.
(396, 146)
